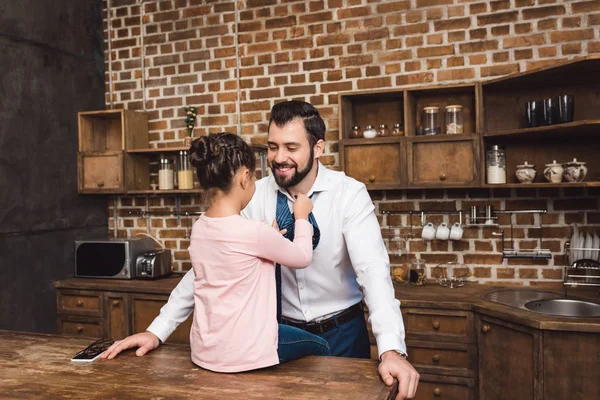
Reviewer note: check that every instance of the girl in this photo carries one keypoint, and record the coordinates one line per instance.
(235, 326)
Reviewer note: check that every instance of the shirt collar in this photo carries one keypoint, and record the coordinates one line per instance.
(321, 184)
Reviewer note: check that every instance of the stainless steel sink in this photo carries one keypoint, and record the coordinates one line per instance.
(543, 302)
(565, 307)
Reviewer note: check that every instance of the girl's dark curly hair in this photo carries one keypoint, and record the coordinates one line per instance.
(218, 156)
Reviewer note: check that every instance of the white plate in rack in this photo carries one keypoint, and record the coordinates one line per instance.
(588, 244)
(596, 246)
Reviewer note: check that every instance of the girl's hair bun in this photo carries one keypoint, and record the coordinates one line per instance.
(204, 150)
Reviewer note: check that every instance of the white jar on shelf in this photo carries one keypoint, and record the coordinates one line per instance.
(165, 175)
(496, 165)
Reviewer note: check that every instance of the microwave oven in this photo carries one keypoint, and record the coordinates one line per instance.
(114, 259)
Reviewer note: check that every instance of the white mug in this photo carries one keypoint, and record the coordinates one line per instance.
(456, 232)
(442, 232)
(428, 232)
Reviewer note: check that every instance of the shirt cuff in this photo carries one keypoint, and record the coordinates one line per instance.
(390, 342)
(161, 328)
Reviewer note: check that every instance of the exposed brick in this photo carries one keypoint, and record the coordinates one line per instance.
(299, 90)
(393, 6)
(374, 83)
(497, 18)
(336, 87)
(482, 272)
(525, 54)
(571, 48)
(436, 259)
(372, 34)
(501, 30)
(316, 17)
(547, 24)
(452, 24)
(455, 74)
(483, 258)
(572, 35)
(280, 22)
(542, 12)
(476, 47)
(585, 6)
(523, 41)
(429, 3)
(321, 64)
(552, 273)
(500, 57)
(327, 40)
(411, 29)
(528, 273)
(523, 28)
(354, 12)
(356, 60)
(395, 56)
(505, 273)
(435, 51)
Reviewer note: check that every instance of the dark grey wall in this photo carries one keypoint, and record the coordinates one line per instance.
(51, 67)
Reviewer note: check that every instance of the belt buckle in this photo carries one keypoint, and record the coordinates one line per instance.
(318, 326)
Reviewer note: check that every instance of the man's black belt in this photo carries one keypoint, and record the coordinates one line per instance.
(329, 323)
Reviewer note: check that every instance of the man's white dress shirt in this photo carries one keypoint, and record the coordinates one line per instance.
(351, 255)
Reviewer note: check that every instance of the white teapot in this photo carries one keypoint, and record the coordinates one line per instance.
(554, 172)
(575, 171)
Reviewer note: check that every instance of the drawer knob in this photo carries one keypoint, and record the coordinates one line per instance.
(79, 328)
(100, 184)
(116, 303)
(485, 328)
(442, 177)
(79, 303)
(436, 325)
(436, 358)
(372, 178)
(437, 392)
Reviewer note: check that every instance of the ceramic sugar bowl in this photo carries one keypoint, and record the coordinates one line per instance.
(525, 173)
(554, 172)
(574, 171)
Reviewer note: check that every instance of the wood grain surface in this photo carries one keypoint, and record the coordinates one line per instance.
(38, 366)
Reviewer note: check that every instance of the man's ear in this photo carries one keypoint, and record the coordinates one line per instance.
(245, 178)
(319, 148)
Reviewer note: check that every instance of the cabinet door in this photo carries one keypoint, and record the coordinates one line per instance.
(509, 361)
(100, 172)
(375, 162)
(443, 162)
(144, 308)
(117, 316)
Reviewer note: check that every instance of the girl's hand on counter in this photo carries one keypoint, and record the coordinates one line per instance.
(146, 341)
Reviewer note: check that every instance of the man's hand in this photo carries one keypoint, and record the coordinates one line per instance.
(146, 341)
(393, 365)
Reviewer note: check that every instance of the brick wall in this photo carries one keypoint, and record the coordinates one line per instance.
(234, 60)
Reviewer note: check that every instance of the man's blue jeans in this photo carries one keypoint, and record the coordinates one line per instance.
(295, 343)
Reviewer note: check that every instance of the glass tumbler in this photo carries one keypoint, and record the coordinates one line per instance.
(454, 120)
(431, 120)
(417, 272)
(496, 165)
(185, 173)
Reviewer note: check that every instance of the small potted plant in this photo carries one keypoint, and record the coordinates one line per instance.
(190, 122)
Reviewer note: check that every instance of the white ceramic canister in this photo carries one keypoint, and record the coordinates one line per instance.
(525, 173)
(554, 172)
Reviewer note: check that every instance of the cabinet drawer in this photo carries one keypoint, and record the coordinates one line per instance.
(375, 163)
(438, 325)
(452, 162)
(100, 172)
(444, 358)
(88, 327)
(80, 303)
(445, 390)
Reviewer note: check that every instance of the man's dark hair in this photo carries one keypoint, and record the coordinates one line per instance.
(283, 113)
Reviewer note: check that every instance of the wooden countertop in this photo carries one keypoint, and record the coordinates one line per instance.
(468, 298)
(432, 295)
(39, 366)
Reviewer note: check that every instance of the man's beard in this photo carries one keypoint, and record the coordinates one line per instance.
(295, 179)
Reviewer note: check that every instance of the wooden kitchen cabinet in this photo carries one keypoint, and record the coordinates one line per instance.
(98, 308)
(510, 360)
(494, 113)
(450, 162)
(104, 165)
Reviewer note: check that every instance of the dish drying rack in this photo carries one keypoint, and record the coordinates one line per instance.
(581, 271)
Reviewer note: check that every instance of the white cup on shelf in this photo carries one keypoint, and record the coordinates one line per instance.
(428, 232)
(456, 232)
(442, 232)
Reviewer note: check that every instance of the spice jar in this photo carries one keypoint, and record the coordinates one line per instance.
(454, 120)
(369, 132)
(431, 120)
(397, 131)
(185, 173)
(383, 131)
(496, 165)
(417, 273)
(400, 273)
(355, 133)
(165, 175)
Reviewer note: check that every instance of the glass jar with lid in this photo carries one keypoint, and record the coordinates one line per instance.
(495, 162)
(355, 133)
(369, 132)
(383, 131)
(417, 273)
(431, 120)
(454, 120)
(165, 175)
(397, 130)
(185, 173)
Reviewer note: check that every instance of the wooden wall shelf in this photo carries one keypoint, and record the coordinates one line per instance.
(494, 114)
